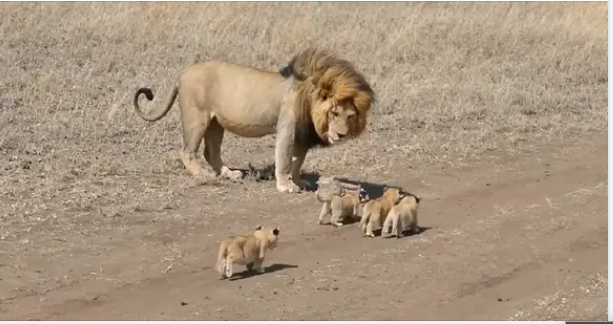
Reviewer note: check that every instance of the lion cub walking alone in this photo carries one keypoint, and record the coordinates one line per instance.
(401, 217)
(249, 250)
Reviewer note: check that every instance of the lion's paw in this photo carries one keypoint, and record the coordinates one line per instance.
(234, 175)
(288, 187)
(303, 184)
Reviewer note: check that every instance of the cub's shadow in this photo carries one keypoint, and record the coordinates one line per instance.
(407, 233)
(267, 270)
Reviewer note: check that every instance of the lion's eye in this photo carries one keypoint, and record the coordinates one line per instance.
(334, 113)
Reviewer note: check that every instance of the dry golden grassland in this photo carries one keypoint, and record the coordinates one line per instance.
(453, 80)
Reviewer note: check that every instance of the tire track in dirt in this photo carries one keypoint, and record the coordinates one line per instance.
(441, 273)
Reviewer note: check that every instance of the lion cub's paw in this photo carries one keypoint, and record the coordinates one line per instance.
(337, 224)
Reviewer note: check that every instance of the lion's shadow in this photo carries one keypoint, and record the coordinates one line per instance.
(267, 173)
(267, 270)
(375, 190)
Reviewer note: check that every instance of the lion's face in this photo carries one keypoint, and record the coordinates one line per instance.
(342, 122)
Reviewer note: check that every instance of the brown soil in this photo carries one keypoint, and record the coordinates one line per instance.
(514, 238)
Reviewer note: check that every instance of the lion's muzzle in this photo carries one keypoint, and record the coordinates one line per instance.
(333, 136)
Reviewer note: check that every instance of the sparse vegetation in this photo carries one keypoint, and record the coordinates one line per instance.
(453, 81)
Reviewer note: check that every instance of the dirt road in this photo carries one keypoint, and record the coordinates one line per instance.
(512, 238)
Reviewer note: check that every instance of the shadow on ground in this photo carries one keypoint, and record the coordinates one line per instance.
(267, 173)
(406, 233)
(375, 190)
(267, 270)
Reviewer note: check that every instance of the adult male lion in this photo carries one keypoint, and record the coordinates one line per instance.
(316, 100)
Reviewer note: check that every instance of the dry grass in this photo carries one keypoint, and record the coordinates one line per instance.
(581, 302)
(453, 80)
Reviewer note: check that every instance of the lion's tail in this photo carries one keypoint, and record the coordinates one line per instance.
(221, 257)
(149, 95)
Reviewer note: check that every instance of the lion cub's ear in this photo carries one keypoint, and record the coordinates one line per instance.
(259, 227)
(275, 231)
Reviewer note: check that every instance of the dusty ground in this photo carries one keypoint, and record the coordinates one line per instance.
(494, 113)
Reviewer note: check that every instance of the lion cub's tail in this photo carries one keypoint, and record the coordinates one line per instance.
(149, 95)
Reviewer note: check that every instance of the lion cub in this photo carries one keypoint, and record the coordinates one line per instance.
(401, 217)
(339, 199)
(375, 211)
(249, 250)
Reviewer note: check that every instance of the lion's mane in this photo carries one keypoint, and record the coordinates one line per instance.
(320, 75)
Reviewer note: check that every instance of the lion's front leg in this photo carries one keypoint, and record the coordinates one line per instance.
(283, 155)
(325, 210)
(298, 160)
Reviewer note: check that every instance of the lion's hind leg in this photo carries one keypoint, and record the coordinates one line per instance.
(390, 221)
(194, 127)
(213, 139)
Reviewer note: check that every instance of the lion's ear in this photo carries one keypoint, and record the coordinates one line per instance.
(323, 94)
(259, 227)
(275, 231)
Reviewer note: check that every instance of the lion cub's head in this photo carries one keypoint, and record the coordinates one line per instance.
(269, 236)
(363, 196)
(327, 187)
(393, 195)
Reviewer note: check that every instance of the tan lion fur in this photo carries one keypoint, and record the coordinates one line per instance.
(401, 217)
(339, 199)
(375, 211)
(249, 250)
(316, 100)
(334, 79)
